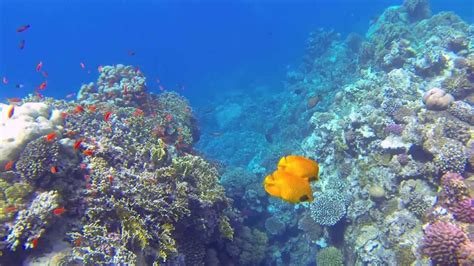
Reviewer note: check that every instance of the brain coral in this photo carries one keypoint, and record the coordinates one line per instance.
(463, 210)
(327, 210)
(437, 99)
(442, 241)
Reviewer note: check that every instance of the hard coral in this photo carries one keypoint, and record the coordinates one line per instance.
(327, 210)
(442, 241)
(330, 256)
(466, 254)
(437, 99)
(463, 210)
(454, 186)
(37, 159)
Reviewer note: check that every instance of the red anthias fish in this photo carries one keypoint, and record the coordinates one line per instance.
(39, 66)
(107, 116)
(59, 211)
(23, 28)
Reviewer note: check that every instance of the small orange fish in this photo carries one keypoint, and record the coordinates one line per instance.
(54, 169)
(39, 66)
(71, 133)
(9, 166)
(42, 86)
(51, 136)
(92, 108)
(64, 115)
(138, 112)
(10, 209)
(111, 179)
(79, 109)
(34, 242)
(59, 211)
(5, 80)
(83, 66)
(11, 111)
(88, 152)
(45, 74)
(107, 116)
(83, 166)
(78, 241)
(169, 117)
(100, 69)
(77, 144)
(14, 100)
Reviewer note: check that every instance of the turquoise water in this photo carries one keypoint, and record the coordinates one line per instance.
(157, 132)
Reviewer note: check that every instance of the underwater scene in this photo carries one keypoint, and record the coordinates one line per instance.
(237, 132)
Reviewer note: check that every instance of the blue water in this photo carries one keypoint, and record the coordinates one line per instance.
(199, 48)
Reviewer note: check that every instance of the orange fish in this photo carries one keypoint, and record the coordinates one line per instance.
(45, 74)
(111, 179)
(64, 115)
(5, 80)
(21, 45)
(23, 28)
(14, 100)
(42, 86)
(71, 133)
(51, 136)
(11, 111)
(10, 209)
(79, 109)
(34, 242)
(169, 117)
(92, 108)
(288, 187)
(100, 69)
(299, 166)
(9, 166)
(82, 65)
(78, 241)
(88, 152)
(138, 112)
(107, 116)
(77, 144)
(59, 211)
(54, 169)
(39, 66)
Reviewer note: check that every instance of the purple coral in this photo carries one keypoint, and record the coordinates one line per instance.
(442, 242)
(463, 210)
(454, 187)
(394, 129)
(466, 254)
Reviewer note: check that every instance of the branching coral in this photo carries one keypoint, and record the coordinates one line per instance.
(327, 210)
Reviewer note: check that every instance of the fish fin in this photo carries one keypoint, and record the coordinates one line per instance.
(304, 198)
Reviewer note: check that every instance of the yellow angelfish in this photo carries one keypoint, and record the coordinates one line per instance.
(291, 181)
(288, 187)
(299, 166)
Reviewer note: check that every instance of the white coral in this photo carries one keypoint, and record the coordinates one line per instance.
(29, 121)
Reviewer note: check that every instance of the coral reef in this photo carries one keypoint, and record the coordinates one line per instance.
(329, 256)
(442, 241)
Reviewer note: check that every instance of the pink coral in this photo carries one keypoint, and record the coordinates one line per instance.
(437, 99)
(466, 254)
(463, 210)
(454, 186)
(442, 242)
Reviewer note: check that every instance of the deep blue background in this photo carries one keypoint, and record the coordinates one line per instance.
(207, 46)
